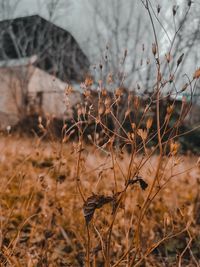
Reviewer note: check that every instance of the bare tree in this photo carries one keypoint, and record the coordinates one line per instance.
(7, 8)
(124, 29)
(120, 32)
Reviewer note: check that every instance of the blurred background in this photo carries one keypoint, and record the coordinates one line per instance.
(47, 44)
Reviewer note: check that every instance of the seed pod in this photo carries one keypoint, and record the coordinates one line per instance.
(108, 101)
(180, 60)
(101, 109)
(154, 49)
(149, 123)
(196, 74)
(88, 81)
(159, 77)
(170, 109)
(168, 57)
(189, 3)
(142, 133)
(127, 113)
(104, 92)
(133, 125)
(125, 53)
(158, 8)
(87, 93)
(110, 78)
(174, 10)
(136, 102)
(184, 87)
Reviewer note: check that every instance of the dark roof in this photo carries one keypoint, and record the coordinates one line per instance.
(57, 51)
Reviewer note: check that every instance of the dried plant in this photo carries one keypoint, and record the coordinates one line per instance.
(116, 190)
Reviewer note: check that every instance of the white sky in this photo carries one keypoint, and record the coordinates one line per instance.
(69, 15)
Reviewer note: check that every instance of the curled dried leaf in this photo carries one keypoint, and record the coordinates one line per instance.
(139, 180)
(92, 203)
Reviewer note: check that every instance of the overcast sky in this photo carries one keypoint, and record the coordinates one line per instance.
(69, 14)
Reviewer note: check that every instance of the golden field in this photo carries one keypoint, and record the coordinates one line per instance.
(41, 209)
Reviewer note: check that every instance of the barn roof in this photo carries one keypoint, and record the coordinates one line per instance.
(56, 49)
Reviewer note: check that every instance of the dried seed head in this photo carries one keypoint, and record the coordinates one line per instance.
(104, 92)
(167, 219)
(174, 10)
(101, 109)
(127, 113)
(68, 89)
(189, 3)
(40, 120)
(142, 133)
(133, 125)
(159, 76)
(79, 111)
(136, 102)
(131, 136)
(170, 109)
(196, 74)
(158, 8)
(108, 110)
(118, 92)
(87, 93)
(149, 123)
(108, 101)
(83, 110)
(110, 78)
(88, 81)
(180, 60)
(184, 87)
(174, 146)
(125, 53)
(168, 57)
(143, 47)
(138, 86)
(154, 49)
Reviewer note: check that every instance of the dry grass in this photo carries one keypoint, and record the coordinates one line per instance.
(41, 216)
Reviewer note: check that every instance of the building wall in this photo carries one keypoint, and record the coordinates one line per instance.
(44, 93)
(50, 90)
(10, 96)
